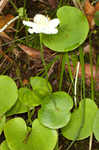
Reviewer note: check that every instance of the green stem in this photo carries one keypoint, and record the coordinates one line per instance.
(62, 71)
(42, 56)
(82, 70)
(14, 6)
(83, 104)
(91, 67)
(24, 8)
(69, 67)
(92, 84)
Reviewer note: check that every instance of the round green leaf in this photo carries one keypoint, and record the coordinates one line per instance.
(4, 146)
(40, 86)
(72, 31)
(15, 132)
(19, 137)
(96, 18)
(42, 138)
(96, 126)
(18, 108)
(54, 112)
(28, 97)
(70, 131)
(2, 123)
(8, 93)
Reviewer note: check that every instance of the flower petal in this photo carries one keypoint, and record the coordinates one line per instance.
(31, 30)
(53, 31)
(54, 22)
(49, 30)
(29, 24)
(39, 19)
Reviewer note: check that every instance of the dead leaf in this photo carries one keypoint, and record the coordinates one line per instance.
(4, 35)
(89, 11)
(5, 56)
(5, 19)
(30, 51)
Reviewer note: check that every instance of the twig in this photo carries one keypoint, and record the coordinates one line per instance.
(6, 57)
(6, 25)
(2, 62)
(2, 4)
(51, 70)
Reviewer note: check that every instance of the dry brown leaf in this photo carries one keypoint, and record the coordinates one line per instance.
(4, 35)
(89, 11)
(30, 51)
(5, 19)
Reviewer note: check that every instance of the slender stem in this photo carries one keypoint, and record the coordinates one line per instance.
(24, 7)
(75, 86)
(91, 67)
(17, 28)
(83, 102)
(57, 147)
(14, 6)
(92, 84)
(30, 114)
(42, 56)
(62, 71)
(82, 70)
(90, 142)
(69, 67)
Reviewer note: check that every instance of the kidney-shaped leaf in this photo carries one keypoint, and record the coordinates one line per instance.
(8, 93)
(42, 138)
(28, 97)
(54, 112)
(72, 31)
(40, 86)
(15, 132)
(18, 108)
(96, 126)
(70, 131)
(19, 137)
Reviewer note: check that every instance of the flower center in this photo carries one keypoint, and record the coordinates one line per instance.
(41, 20)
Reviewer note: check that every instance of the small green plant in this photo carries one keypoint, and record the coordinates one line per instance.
(54, 110)
(55, 113)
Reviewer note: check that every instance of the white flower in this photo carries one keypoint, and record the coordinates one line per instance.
(42, 24)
